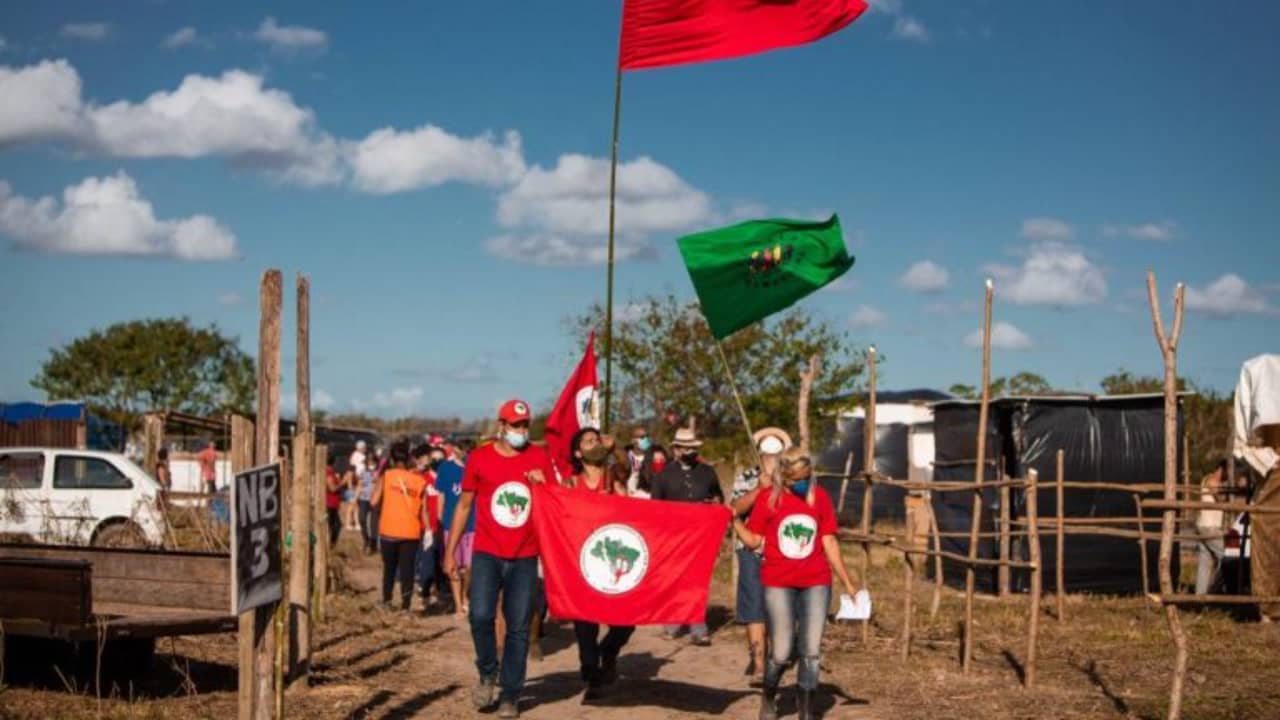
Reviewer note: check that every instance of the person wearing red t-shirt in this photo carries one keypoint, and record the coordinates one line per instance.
(497, 482)
(589, 453)
(332, 500)
(792, 522)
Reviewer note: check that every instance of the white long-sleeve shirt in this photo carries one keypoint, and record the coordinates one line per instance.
(1257, 404)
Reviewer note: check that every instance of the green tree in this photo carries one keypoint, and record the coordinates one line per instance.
(161, 364)
(665, 359)
(1023, 383)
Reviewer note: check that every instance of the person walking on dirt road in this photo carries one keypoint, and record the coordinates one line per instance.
(589, 452)
(749, 605)
(792, 521)
(497, 482)
(688, 480)
(400, 495)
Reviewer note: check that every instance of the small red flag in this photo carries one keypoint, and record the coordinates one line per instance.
(617, 560)
(657, 33)
(575, 409)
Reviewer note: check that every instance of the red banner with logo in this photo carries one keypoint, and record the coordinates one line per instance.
(617, 560)
(575, 409)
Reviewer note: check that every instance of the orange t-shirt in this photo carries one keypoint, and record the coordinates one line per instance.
(401, 514)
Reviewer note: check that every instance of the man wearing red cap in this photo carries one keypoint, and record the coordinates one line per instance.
(497, 482)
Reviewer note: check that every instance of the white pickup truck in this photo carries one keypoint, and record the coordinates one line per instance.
(78, 497)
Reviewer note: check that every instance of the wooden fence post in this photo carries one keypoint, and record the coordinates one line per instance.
(844, 483)
(266, 450)
(978, 477)
(1169, 352)
(1033, 542)
(153, 440)
(868, 468)
(1142, 550)
(242, 453)
(1061, 585)
(909, 579)
(1002, 572)
(319, 535)
(937, 562)
(301, 505)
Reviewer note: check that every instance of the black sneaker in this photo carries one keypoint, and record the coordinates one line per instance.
(593, 691)
(484, 693)
(702, 641)
(608, 670)
(508, 708)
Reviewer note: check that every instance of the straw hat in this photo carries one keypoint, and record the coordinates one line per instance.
(686, 438)
(765, 432)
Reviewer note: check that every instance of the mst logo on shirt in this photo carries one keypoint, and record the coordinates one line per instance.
(511, 504)
(796, 534)
(614, 559)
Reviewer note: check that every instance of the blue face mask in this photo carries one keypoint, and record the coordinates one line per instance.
(642, 444)
(801, 488)
(516, 440)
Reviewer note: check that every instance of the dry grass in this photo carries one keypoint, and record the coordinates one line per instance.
(1111, 659)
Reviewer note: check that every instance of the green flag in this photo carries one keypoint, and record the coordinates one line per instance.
(747, 272)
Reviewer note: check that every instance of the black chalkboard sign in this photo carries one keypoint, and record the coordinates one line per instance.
(255, 538)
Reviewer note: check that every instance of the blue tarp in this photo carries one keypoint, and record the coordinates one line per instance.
(18, 412)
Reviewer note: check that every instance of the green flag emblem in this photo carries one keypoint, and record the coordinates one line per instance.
(746, 272)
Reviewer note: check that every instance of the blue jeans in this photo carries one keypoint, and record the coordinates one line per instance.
(750, 602)
(795, 615)
(517, 580)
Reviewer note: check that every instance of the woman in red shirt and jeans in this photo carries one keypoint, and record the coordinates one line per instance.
(792, 522)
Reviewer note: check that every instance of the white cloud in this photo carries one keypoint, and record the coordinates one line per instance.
(905, 27)
(840, 285)
(925, 276)
(40, 101)
(230, 298)
(108, 216)
(86, 31)
(322, 400)
(561, 216)
(909, 28)
(1052, 273)
(289, 37)
(389, 160)
(557, 250)
(573, 197)
(398, 399)
(232, 115)
(1043, 228)
(1229, 295)
(1155, 231)
(866, 317)
(477, 369)
(1004, 336)
(182, 38)
(3, 43)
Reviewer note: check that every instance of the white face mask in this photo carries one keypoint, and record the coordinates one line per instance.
(770, 445)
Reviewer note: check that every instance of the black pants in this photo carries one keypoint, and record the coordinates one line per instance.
(335, 525)
(398, 558)
(591, 649)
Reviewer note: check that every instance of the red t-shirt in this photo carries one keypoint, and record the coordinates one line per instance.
(793, 533)
(580, 484)
(332, 500)
(433, 501)
(503, 501)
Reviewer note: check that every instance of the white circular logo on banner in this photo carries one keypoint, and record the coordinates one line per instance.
(584, 402)
(797, 535)
(614, 559)
(511, 504)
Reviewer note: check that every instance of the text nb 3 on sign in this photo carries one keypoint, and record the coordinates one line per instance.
(255, 538)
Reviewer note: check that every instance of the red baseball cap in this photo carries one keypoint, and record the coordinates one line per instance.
(513, 411)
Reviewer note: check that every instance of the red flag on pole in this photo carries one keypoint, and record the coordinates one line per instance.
(626, 561)
(657, 33)
(575, 409)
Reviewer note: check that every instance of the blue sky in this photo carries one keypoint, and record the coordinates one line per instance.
(437, 170)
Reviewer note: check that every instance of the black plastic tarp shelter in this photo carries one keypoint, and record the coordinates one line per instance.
(1113, 439)
(892, 458)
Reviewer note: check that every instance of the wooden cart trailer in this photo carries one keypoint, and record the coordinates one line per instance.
(84, 594)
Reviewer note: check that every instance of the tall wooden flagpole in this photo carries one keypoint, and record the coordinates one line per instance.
(613, 194)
